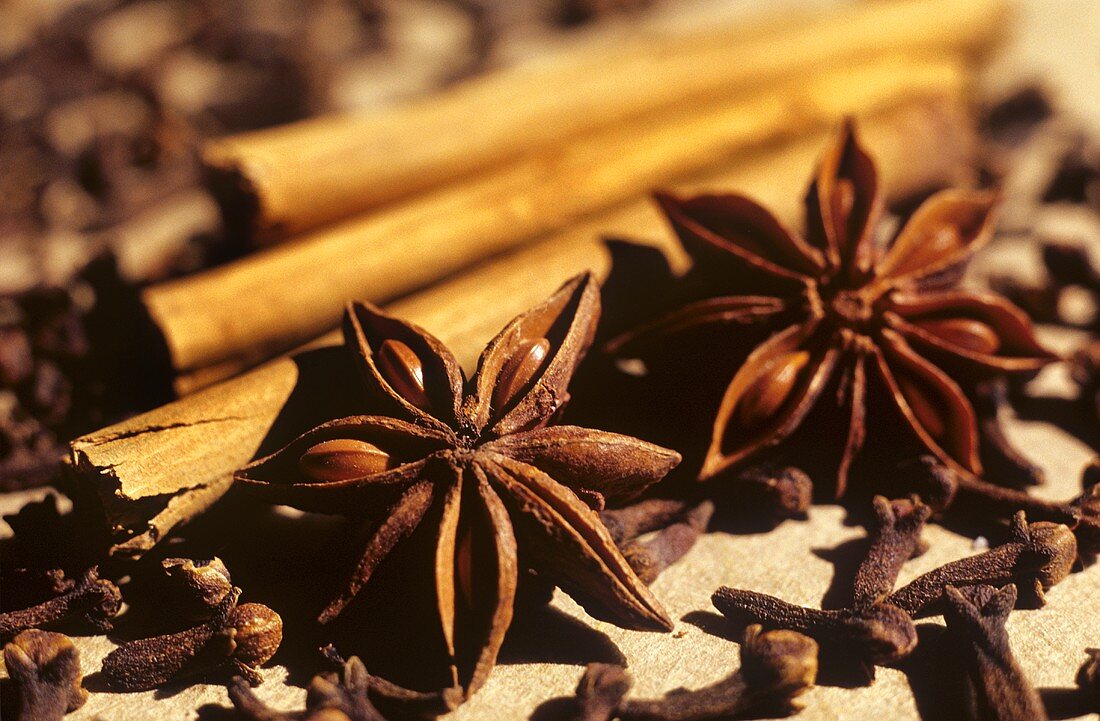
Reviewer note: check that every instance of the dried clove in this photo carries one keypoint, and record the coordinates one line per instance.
(45, 668)
(344, 696)
(92, 600)
(879, 634)
(648, 558)
(998, 688)
(651, 514)
(895, 536)
(1036, 557)
(780, 491)
(235, 638)
(1002, 460)
(776, 667)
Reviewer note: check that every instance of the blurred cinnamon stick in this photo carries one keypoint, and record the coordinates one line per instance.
(272, 301)
(283, 181)
(162, 468)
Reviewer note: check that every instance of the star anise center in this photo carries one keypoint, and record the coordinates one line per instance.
(850, 309)
(843, 307)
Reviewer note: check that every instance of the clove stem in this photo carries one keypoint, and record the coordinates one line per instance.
(92, 599)
(895, 536)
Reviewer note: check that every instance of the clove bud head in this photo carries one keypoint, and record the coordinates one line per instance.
(45, 668)
(1056, 547)
(783, 660)
(256, 632)
(884, 632)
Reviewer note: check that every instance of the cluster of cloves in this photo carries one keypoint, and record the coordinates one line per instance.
(872, 628)
(877, 626)
(229, 638)
(776, 667)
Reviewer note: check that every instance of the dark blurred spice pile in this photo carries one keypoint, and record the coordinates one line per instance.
(102, 104)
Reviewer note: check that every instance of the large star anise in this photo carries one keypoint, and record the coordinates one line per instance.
(479, 459)
(846, 308)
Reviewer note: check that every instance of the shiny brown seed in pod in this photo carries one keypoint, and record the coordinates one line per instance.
(519, 369)
(342, 459)
(402, 369)
(257, 631)
(766, 393)
(925, 413)
(973, 335)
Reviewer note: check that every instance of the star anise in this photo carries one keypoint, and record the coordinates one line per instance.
(479, 459)
(847, 312)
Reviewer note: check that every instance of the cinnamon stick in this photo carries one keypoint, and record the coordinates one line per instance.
(275, 300)
(287, 180)
(156, 470)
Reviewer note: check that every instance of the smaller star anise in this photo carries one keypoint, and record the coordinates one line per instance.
(847, 313)
(481, 461)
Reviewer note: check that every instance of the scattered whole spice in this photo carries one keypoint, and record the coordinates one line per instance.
(45, 668)
(344, 696)
(895, 536)
(879, 634)
(1036, 557)
(92, 600)
(999, 689)
(483, 458)
(844, 309)
(236, 638)
(779, 491)
(649, 557)
(776, 667)
(644, 516)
